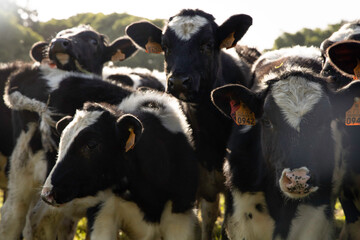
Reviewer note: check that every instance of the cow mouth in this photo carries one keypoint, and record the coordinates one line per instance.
(62, 58)
(294, 183)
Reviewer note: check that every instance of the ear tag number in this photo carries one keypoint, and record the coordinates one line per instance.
(352, 117)
(153, 47)
(118, 56)
(131, 140)
(241, 114)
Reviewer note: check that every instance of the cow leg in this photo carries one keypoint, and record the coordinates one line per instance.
(177, 226)
(3, 177)
(209, 214)
(351, 228)
(23, 185)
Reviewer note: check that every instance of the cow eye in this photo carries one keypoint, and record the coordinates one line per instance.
(92, 144)
(267, 123)
(94, 42)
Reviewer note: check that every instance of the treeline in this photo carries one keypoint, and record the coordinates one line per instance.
(20, 29)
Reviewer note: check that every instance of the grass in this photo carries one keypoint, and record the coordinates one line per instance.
(81, 229)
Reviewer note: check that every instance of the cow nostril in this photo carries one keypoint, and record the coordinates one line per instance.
(65, 43)
(186, 82)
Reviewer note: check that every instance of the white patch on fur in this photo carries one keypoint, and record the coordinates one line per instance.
(296, 96)
(117, 213)
(260, 226)
(187, 26)
(131, 72)
(54, 76)
(170, 114)
(346, 31)
(296, 51)
(82, 119)
(311, 223)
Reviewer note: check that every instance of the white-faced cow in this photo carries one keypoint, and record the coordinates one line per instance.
(194, 65)
(283, 173)
(141, 150)
(344, 57)
(32, 95)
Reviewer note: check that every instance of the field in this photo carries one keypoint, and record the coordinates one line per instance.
(81, 230)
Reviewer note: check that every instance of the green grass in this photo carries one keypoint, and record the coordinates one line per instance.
(81, 229)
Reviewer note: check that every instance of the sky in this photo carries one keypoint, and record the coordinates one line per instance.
(271, 18)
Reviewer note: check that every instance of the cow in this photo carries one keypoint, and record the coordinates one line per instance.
(284, 169)
(141, 151)
(28, 94)
(136, 77)
(194, 65)
(343, 56)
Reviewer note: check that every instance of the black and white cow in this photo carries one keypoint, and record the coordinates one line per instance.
(194, 65)
(283, 173)
(141, 151)
(30, 96)
(344, 56)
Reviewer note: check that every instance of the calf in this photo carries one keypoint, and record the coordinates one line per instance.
(344, 56)
(282, 172)
(142, 151)
(194, 65)
(34, 153)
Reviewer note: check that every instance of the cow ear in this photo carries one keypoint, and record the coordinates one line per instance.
(146, 35)
(62, 123)
(232, 30)
(38, 51)
(130, 130)
(119, 50)
(231, 98)
(345, 57)
(345, 99)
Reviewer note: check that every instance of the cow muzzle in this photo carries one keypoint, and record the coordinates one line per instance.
(295, 183)
(179, 86)
(47, 195)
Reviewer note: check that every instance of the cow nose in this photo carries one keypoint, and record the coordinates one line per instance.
(48, 196)
(179, 83)
(60, 45)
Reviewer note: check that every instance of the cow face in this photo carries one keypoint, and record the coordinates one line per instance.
(349, 31)
(82, 49)
(191, 43)
(295, 113)
(90, 152)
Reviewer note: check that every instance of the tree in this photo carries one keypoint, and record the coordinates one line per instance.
(306, 37)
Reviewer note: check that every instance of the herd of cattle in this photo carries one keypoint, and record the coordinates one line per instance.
(138, 151)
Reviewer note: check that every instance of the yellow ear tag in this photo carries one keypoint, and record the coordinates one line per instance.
(153, 47)
(357, 71)
(131, 140)
(352, 117)
(241, 114)
(118, 56)
(228, 42)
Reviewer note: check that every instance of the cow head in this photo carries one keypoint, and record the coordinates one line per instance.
(349, 31)
(191, 42)
(92, 145)
(295, 114)
(82, 49)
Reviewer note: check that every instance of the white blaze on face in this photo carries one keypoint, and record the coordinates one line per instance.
(82, 120)
(186, 26)
(296, 96)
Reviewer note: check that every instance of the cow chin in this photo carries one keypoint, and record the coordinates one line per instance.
(295, 184)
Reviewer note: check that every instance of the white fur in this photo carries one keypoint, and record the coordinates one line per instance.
(296, 96)
(240, 226)
(171, 115)
(117, 213)
(187, 26)
(311, 223)
(345, 32)
(54, 76)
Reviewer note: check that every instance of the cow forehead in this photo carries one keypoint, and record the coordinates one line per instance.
(296, 96)
(187, 26)
(82, 120)
(74, 31)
